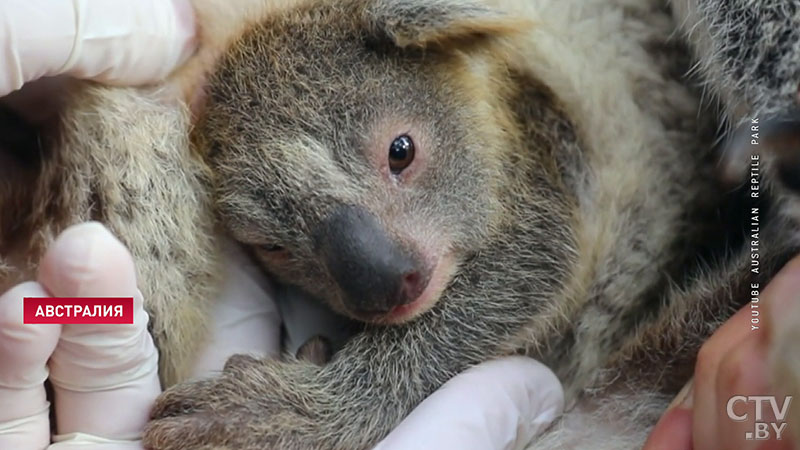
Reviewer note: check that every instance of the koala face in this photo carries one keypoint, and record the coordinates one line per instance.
(357, 169)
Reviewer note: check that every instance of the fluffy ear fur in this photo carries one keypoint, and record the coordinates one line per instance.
(424, 22)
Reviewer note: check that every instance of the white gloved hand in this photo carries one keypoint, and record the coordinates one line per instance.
(112, 41)
(246, 319)
(497, 405)
(104, 377)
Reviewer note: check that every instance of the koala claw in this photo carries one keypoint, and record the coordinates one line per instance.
(246, 407)
(190, 432)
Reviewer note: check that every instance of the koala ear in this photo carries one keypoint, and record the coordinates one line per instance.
(424, 22)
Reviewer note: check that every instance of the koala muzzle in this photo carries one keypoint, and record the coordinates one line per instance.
(374, 272)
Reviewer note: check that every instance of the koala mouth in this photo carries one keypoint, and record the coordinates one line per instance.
(382, 278)
(440, 277)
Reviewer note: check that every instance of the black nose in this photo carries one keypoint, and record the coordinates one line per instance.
(374, 272)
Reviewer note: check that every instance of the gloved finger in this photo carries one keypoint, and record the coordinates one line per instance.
(113, 41)
(97, 366)
(81, 441)
(24, 351)
(496, 405)
(246, 321)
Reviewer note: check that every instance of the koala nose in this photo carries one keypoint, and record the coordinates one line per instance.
(374, 272)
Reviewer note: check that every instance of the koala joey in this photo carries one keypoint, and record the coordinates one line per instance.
(467, 178)
(470, 180)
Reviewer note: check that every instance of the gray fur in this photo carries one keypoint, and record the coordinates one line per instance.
(569, 186)
(517, 217)
(748, 51)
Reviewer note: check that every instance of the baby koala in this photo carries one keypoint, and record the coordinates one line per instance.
(466, 179)
(470, 180)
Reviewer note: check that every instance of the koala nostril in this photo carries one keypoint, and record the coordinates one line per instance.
(375, 272)
(413, 285)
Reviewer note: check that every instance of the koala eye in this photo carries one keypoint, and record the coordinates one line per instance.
(401, 154)
(274, 253)
(272, 248)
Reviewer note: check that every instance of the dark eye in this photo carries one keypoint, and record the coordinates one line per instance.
(272, 248)
(274, 252)
(401, 154)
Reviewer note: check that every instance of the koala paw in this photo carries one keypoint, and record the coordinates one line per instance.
(253, 404)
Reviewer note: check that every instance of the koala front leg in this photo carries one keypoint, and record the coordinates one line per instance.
(354, 401)
(665, 346)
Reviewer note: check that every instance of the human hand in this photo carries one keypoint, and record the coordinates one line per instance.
(734, 362)
(112, 41)
(104, 377)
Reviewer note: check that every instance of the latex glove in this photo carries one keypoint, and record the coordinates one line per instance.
(246, 319)
(112, 41)
(497, 405)
(104, 377)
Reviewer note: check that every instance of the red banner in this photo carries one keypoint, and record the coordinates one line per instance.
(78, 310)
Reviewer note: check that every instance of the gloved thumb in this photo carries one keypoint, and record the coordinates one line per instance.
(104, 376)
(24, 351)
(497, 405)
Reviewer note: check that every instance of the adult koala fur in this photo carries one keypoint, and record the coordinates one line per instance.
(748, 54)
(554, 205)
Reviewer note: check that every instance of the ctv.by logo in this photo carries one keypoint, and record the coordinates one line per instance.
(762, 430)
